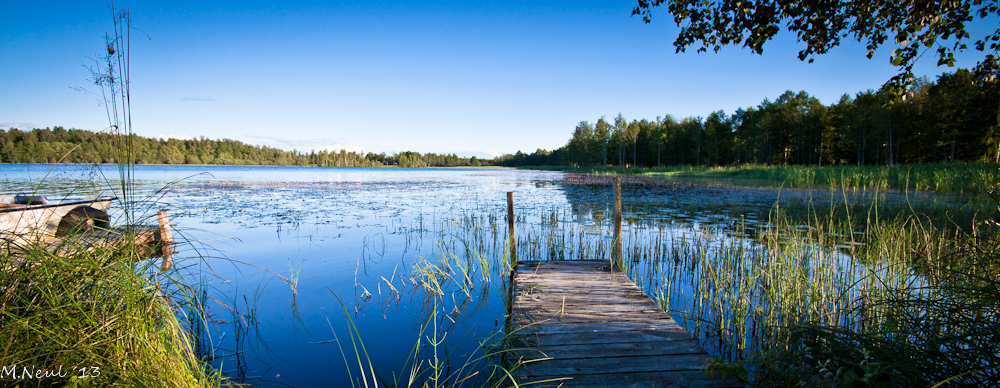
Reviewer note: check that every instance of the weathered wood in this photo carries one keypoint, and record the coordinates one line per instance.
(571, 366)
(582, 324)
(510, 228)
(621, 349)
(597, 338)
(595, 327)
(166, 241)
(618, 222)
(556, 317)
(555, 309)
(671, 379)
(512, 260)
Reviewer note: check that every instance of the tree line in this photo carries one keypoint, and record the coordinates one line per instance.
(61, 145)
(955, 118)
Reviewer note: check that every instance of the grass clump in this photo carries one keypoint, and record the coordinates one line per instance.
(95, 315)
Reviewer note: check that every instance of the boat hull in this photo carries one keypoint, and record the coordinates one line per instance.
(41, 221)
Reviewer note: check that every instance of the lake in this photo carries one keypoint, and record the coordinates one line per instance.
(360, 245)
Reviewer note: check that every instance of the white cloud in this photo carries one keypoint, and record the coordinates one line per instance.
(328, 145)
(178, 137)
(21, 126)
(336, 148)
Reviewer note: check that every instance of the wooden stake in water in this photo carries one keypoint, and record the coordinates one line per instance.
(510, 227)
(617, 254)
(513, 256)
(166, 241)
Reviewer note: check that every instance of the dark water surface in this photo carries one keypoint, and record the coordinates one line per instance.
(359, 233)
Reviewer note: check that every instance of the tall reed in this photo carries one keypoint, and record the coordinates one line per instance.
(962, 178)
(835, 301)
(454, 283)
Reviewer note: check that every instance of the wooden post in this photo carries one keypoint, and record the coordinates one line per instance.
(617, 254)
(166, 241)
(513, 256)
(510, 228)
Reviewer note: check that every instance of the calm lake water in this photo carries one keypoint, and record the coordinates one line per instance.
(359, 234)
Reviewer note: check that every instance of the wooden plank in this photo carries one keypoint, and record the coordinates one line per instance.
(580, 324)
(574, 283)
(540, 340)
(598, 270)
(556, 317)
(598, 327)
(619, 349)
(573, 366)
(581, 300)
(672, 379)
(539, 308)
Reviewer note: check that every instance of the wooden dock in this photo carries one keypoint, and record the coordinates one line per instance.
(594, 328)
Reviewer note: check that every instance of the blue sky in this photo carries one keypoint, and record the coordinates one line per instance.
(472, 78)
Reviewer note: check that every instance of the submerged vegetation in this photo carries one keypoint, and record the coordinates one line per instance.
(960, 178)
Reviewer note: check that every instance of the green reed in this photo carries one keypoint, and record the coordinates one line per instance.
(766, 303)
(967, 178)
(466, 270)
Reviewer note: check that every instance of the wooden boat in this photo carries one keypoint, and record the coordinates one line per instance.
(33, 217)
(25, 220)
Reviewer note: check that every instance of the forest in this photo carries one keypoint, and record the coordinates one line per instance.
(954, 118)
(61, 145)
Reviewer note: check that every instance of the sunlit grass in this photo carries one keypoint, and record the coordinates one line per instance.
(95, 309)
(963, 178)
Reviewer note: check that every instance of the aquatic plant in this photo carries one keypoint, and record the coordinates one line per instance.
(827, 303)
(462, 275)
(961, 178)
